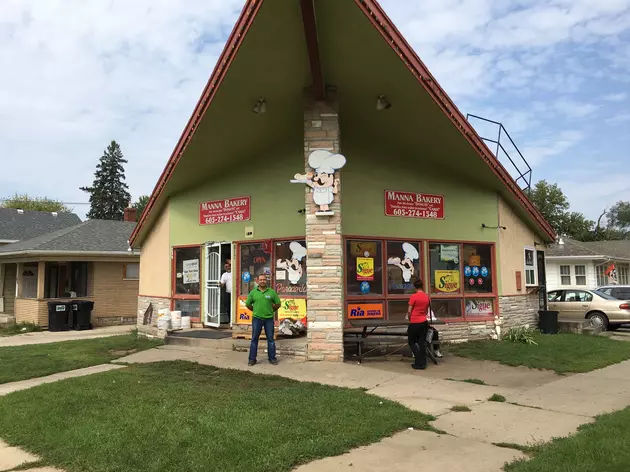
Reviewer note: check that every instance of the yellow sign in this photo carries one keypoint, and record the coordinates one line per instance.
(293, 308)
(447, 280)
(365, 268)
(243, 315)
(359, 248)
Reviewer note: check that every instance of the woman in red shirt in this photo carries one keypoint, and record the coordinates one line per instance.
(417, 313)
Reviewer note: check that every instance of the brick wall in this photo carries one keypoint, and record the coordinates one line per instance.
(115, 299)
(31, 311)
(324, 243)
(519, 310)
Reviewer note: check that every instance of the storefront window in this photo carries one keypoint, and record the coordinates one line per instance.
(364, 267)
(187, 264)
(446, 308)
(444, 268)
(478, 268)
(188, 307)
(403, 267)
(290, 276)
(479, 307)
(397, 310)
(255, 260)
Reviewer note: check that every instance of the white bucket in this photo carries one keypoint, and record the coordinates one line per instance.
(185, 323)
(164, 324)
(176, 320)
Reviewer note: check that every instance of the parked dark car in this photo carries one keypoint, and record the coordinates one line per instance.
(620, 292)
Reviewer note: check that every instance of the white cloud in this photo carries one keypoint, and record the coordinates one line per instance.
(615, 97)
(552, 145)
(591, 193)
(620, 118)
(574, 109)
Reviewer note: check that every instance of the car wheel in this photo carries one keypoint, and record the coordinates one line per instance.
(598, 320)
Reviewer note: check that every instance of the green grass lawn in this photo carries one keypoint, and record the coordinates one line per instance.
(19, 328)
(182, 416)
(38, 360)
(598, 447)
(560, 352)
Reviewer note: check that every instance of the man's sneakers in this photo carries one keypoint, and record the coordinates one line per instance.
(438, 353)
(273, 361)
(251, 363)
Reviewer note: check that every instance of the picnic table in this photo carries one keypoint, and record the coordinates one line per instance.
(370, 326)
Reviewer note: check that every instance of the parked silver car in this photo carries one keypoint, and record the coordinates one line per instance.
(600, 308)
(620, 292)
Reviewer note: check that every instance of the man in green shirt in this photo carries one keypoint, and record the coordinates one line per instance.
(263, 303)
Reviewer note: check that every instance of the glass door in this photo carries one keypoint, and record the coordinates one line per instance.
(212, 305)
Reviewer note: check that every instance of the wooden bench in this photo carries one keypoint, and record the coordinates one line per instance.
(368, 327)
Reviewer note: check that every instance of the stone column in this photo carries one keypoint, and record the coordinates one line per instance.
(325, 295)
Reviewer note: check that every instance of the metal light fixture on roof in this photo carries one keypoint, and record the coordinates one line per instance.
(382, 103)
(260, 107)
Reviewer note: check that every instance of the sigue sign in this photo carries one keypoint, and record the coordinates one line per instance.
(414, 205)
(229, 210)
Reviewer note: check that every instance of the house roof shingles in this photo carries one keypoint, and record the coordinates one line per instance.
(91, 236)
(572, 248)
(17, 226)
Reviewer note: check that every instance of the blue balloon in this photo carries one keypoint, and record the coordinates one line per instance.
(467, 271)
(365, 287)
(475, 271)
(484, 271)
(247, 277)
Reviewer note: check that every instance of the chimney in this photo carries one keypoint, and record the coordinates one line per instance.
(131, 214)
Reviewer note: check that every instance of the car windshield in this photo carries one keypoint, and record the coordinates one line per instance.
(605, 296)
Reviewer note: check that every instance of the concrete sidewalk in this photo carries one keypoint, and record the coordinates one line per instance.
(45, 337)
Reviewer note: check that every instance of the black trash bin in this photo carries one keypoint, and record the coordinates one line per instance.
(548, 321)
(82, 314)
(58, 314)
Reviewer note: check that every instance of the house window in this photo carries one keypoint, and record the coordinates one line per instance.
(602, 278)
(132, 271)
(565, 275)
(580, 275)
(530, 267)
(66, 280)
(623, 274)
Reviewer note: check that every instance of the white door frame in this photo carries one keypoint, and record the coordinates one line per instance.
(212, 285)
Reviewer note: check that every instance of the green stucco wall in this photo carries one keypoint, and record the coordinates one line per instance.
(368, 174)
(274, 201)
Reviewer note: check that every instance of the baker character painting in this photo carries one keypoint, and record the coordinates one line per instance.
(406, 265)
(323, 182)
(293, 266)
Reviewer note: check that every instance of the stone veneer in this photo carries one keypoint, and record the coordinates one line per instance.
(324, 243)
(158, 304)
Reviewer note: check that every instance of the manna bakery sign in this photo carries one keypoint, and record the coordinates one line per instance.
(228, 210)
(414, 205)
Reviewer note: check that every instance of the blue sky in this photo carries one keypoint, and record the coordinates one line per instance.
(556, 73)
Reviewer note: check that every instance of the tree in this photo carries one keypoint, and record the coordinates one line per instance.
(554, 206)
(24, 202)
(109, 194)
(141, 204)
(618, 218)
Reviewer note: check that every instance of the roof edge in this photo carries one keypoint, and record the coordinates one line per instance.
(40, 252)
(384, 25)
(244, 22)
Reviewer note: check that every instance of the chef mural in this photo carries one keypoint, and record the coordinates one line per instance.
(293, 266)
(322, 180)
(406, 264)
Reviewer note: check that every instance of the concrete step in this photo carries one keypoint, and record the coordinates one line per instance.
(225, 343)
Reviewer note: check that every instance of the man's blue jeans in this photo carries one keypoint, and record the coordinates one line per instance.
(257, 327)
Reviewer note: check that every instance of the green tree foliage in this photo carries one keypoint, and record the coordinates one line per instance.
(141, 204)
(109, 194)
(24, 202)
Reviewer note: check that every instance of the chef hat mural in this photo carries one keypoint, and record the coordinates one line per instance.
(324, 161)
(410, 252)
(299, 251)
(323, 182)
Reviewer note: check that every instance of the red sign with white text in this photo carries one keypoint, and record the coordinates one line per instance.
(414, 205)
(229, 210)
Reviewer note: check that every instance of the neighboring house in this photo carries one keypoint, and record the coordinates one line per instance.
(17, 225)
(417, 195)
(576, 264)
(90, 261)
